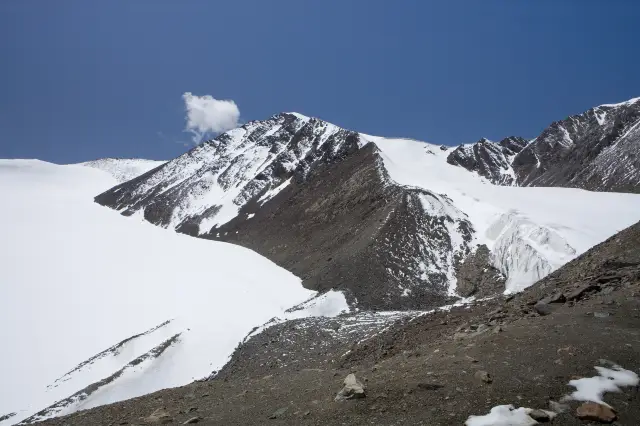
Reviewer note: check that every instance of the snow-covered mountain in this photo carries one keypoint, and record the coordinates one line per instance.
(389, 221)
(107, 307)
(529, 231)
(596, 150)
(207, 186)
(124, 169)
(97, 308)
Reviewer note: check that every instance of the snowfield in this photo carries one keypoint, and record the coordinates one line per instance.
(86, 291)
(124, 169)
(530, 231)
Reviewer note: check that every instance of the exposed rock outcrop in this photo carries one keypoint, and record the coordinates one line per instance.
(476, 276)
(490, 160)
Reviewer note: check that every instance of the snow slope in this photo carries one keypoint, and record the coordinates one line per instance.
(124, 169)
(207, 186)
(88, 296)
(530, 231)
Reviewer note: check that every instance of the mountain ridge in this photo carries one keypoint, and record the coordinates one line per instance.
(594, 150)
(240, 186)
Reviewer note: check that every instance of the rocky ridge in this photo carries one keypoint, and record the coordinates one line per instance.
(596, 150)
(490, 160)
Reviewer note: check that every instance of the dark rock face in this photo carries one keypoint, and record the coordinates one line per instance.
(513, 145)
(6, 416)
(476, 276)
(490, 160)
(597, 150)
(348, 228)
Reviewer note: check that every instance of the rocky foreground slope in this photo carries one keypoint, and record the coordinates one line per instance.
(530, 350)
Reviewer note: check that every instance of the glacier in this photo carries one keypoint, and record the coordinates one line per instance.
(531, 231)
(78, 278)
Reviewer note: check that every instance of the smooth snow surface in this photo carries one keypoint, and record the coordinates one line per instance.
(124, 169)
(530, 231)
(503, 415)
(78, 278)
(609, 380)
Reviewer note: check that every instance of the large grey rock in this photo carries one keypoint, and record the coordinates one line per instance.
(278, 413)
(159, 417)
(596, 412)
(352, 389)
(543, 308)
(483, 376)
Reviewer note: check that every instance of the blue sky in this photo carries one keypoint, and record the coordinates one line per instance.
(86, 79)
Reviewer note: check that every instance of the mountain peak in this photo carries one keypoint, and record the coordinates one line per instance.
(625, 103)
(296, 114)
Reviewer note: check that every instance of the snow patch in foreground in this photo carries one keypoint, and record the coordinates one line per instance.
(609, 380)
(504, 415)
(587, 389)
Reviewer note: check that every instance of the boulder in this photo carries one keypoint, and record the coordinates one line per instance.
(541, 416)
(581, 291)
(596, 412)
(556, 298)
(352, 389)
(159, 417)
(278, 413)
(542, 308)
(484, 376)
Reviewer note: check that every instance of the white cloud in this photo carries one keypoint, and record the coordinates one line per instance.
(206, 115)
